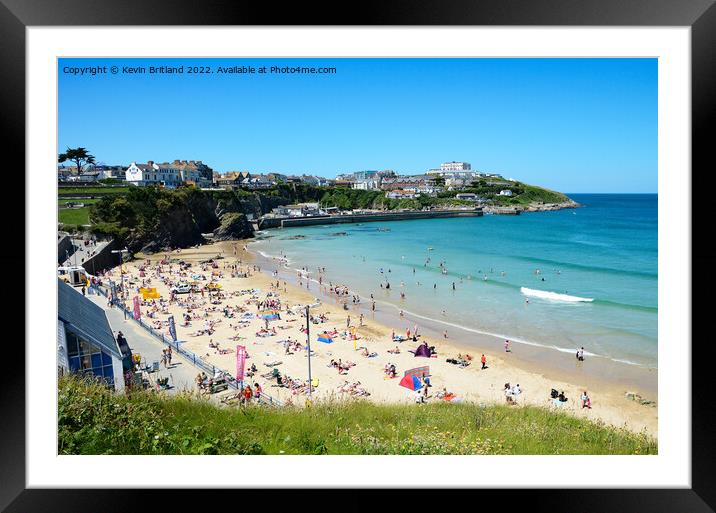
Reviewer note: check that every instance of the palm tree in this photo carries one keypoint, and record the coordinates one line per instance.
(80, 156)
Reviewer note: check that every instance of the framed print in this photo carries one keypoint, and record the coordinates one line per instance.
(444, 247)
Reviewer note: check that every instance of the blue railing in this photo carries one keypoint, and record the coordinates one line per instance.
(197, 361)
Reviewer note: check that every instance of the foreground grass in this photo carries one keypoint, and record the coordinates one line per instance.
(93, 420)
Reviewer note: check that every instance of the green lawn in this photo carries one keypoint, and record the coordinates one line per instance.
(74, 215)
(88, 201)
(89, 191)
(92, 420)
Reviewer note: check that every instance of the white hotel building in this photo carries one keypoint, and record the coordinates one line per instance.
(455, 166)
(164, 174)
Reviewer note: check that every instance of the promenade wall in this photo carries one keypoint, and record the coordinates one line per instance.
(364, 218)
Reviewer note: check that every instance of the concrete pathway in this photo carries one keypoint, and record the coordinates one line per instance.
(181, 373)
(82, 253)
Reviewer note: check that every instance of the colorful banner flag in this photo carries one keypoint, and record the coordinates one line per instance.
(240, 362)
(172, 328)
(137, 309)
(418, 371)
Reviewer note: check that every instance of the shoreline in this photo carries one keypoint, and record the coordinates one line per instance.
(471, 384)
(550, 361)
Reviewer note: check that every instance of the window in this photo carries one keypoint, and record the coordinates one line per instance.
(85, 347)
(85, 362)
(72, 344)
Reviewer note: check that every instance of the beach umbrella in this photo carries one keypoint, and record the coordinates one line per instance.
(411, 382)
(325, 338)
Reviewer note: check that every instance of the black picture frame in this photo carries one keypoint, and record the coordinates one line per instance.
(700, 15)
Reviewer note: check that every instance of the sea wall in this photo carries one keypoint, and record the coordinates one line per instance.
(364, 218)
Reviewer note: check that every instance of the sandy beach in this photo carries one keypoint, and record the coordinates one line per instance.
(254, 282)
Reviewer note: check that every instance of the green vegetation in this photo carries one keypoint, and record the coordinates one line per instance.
(93, 420)
(136, 215)
(74, 215)
(79, 156)
(91, 191)
(522, 194)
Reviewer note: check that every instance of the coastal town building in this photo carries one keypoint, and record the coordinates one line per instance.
(169, 174)
(116, 172)
(193, 168)
(417, 183)
(364, 175)
(314, 180)
(152, 173)
(277, 177)
(455, 166)
(505, 192)
(456, 183)
(298, 210)
(367, 185)
(87, 176)
(85, 342)
(469, 196)
(400, 194)
(257, 182)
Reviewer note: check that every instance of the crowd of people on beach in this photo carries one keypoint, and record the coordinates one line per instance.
(207, 306)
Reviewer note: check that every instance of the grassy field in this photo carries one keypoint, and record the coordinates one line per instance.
(88, 201)
(74, 215)
(93, 420)
(90, 191)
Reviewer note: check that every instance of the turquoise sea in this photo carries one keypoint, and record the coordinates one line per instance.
(596, 286)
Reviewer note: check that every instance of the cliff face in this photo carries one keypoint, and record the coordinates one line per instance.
(223, 214)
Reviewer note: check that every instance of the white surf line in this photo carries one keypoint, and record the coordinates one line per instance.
(488, 333)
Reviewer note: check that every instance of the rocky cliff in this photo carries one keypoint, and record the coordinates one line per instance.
(222, 213)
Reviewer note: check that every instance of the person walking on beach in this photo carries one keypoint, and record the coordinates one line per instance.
(507, 346)
(580, 354)
(483, 361)
(348, 321)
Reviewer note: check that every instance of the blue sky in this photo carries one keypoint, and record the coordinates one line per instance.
(574, 125)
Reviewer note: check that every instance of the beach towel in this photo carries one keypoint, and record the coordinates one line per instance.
(325, 338)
